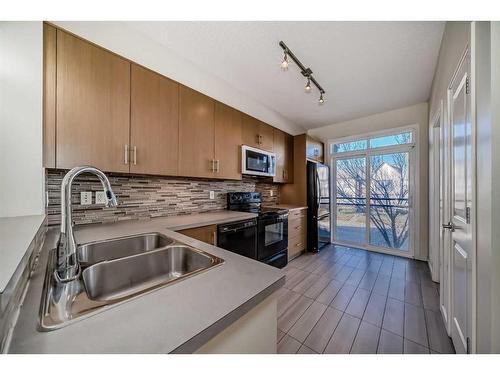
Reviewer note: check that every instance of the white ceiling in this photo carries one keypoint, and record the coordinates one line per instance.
(364, 67)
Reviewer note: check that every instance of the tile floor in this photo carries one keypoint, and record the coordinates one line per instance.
(346, 300)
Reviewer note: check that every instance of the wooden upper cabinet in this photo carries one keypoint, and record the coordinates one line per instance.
(154, 123)
(49, 95)
(93, 106)
(314, 149)
(283, 148)
(257, 133)
(196, 134)
(227, 142)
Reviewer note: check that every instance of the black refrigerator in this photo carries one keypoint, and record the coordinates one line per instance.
(318, 206)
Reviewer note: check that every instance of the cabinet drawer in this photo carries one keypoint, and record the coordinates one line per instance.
(296, 245)
(294, 214)
(297, 226)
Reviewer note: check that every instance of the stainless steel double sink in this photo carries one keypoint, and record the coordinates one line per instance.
(115, 271)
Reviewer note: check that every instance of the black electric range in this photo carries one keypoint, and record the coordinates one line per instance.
(272, 227)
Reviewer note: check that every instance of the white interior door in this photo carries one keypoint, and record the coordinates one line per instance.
(461, 207)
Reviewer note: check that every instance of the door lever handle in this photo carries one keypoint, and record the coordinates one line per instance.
(449, 226)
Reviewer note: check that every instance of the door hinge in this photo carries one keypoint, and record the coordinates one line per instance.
(467, 215)
(467, 85)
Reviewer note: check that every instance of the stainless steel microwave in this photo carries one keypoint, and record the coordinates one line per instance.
(257, 162)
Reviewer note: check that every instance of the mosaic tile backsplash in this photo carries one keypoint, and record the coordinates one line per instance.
(143, 197)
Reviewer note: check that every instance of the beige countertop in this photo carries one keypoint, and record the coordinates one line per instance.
(16, 234)
(178, 318)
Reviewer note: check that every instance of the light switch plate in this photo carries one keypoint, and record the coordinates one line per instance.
(85, 198)
(212, 194)
(100, 197)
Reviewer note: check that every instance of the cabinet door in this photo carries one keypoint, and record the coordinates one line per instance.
(250, 130)
(154, 123)
(49, 96)
(314, 149)
(93, 106)
(279, 149)
(289, 160)
(256, 133)
(207, 234)
(283, 148)
(196, 134)
(227, 142)
(266, 133)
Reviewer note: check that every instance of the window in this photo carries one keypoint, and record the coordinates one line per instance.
(350, 146)
(391, 140)
(404, 138)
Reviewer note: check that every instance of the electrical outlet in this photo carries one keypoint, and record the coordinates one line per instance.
(100, 197)
(271, 193)
(212, 194)
(85, 198)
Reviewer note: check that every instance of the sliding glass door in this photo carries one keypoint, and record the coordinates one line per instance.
(373, 189)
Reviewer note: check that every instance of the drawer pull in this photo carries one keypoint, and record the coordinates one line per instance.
(298, 244)
(300, 226)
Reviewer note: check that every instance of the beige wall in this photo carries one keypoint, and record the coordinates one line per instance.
(413, 115)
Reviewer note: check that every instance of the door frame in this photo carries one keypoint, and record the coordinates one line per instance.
(436, 170)
(414, 159)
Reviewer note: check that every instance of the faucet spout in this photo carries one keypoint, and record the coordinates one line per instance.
(68, 267)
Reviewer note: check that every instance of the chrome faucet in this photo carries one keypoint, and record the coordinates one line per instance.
(68, 267)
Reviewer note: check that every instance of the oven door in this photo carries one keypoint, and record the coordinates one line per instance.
(273, 236)
(257, 162)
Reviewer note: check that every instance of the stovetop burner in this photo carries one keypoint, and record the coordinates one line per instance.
(251, 202)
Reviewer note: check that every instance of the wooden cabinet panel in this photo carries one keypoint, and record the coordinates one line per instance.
(279, 149)
(227, 142)
(314, 149)
(267, 136)
(297, 232)
(257, 133)
(49, 95)
(289, 158)
(154, 123)
(283, 147)
(93, 105)
(207, 234)
(196, 134)
(297, 226)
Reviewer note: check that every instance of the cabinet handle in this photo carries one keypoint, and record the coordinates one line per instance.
(259, 139)
(214, 237)
(126, 154)
(135, 155)
(217, 164)
(298, 244)
(300, 226)
(212, 162)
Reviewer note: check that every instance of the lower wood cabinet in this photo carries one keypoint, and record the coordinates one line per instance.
(297, 232)
(207, 234)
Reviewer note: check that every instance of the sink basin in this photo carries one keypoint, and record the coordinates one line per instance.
(116, 271)
(115, 248)
(120, 278)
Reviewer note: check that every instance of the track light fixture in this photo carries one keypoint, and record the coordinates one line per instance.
(306, 72)
(308, 85)
(284, 63)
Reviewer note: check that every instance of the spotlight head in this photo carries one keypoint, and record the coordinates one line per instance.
(284, 63)
(321, 100)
